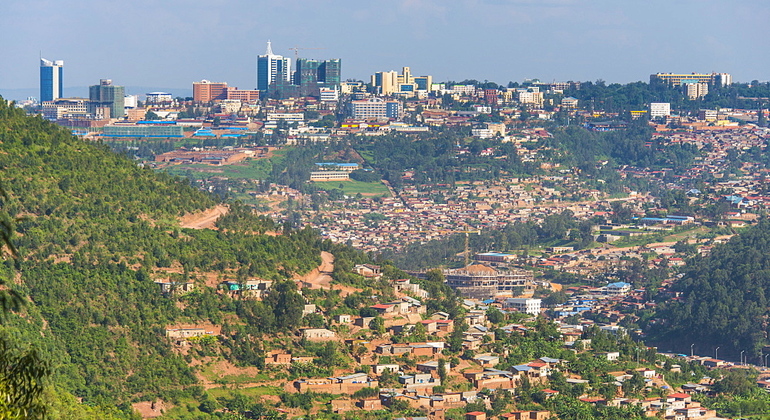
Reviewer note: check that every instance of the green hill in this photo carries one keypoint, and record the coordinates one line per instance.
(723, 300)
(96, 232)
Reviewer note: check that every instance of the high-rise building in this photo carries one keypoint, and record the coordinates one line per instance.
(695, 90)
(330, 72)
(51, 80)
(272, 68)
(391, 83)
(205, 91)
(105, 94)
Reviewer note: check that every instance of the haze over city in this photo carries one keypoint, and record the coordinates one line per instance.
(172, 43)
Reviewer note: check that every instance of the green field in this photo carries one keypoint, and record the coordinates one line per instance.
(352, 187)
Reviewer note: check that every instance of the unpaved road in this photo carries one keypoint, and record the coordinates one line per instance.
(205, 219)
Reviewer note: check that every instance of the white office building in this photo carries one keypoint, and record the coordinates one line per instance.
(526, 305)
(272, 67)
(660, 109)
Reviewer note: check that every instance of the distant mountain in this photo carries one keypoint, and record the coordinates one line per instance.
(19, 94)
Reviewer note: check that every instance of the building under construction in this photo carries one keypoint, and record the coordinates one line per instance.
(480, 281)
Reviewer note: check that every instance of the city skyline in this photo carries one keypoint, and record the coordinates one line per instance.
(495, 40)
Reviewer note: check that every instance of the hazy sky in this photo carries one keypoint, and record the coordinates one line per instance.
(171, 43)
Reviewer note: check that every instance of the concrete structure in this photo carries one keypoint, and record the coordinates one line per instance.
(61, 108)
(660, 109)
(233, 94)
(527, 306)
(329, 176)
(391, 83)
(158, 98)
(695, 90)
(673, 79)
(206, 91)
(51, 79)
(375, 108)
(480, 281)
(707, 115)
(569, 103)
(105, 94)
(318, 334)
(494, 257)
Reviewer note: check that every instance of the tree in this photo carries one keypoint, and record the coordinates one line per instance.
(378, 325)
(287, 305)
(22, 374)
(151, 116)
(442, 373)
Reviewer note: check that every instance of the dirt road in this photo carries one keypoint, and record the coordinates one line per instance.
(205, 219)
(320, 277)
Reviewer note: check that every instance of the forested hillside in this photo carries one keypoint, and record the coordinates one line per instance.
(95, 232)
(723, 299)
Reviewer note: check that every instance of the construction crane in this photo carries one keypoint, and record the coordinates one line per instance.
(296, 51)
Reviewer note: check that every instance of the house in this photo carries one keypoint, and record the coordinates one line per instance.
(337, 385)
(318, 334)
(186, 332)
(609, 355)
(343, 319)
(419, 380)
(278, 357)
(383, 308)
(617, 289)
(380, 368)
(406, 286)
(309, 309)
(713, 363)
(368, 270)
(432, 366)
(175, 288)
(363, 321)
(527, 415)
(476, 415)
(486, 360)
(370, 404)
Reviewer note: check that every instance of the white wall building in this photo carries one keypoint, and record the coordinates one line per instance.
(526, 305)
(660, 109)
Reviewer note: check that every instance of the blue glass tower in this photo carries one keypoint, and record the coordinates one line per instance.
(51, 79)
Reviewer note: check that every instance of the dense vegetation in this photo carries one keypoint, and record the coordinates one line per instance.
(434, 157)
(723, 299)
(96, 231)
(556, 229)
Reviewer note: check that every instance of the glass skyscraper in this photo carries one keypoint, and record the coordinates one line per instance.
(51, 79)
(272, 68)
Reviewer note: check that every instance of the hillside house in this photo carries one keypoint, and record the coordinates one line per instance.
(318, 334)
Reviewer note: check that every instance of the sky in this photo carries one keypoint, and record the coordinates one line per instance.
(171, 43)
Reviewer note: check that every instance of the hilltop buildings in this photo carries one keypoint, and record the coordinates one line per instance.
(713, 79)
